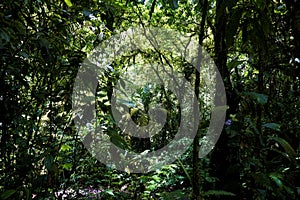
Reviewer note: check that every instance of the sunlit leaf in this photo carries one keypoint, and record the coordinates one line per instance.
(69, 3)
(110, 192)
(67, 166)
(65, 147)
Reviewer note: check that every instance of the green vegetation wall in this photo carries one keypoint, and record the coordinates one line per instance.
(255, 46)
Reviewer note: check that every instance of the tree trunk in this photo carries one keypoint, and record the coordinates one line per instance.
(225, 168)
(197, 181)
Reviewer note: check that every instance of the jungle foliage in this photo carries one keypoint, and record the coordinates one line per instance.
(256, 47)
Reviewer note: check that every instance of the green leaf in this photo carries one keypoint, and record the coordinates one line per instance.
(276, 178)
(23, 54)
(27, 193)
(218, 193)
(273, 126)
(4, 36)
(118, 140)
(281, 153)
(67, 166)
(151, 187)
(285, 145)
(156, 178)
(110, 192)
(252, 125)
(260, 3)
(65, 147)
(126, 103)
(43, 42)
(234, 63)
(260, 98)
(185, 171)
(6, 194)
(69, 3)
